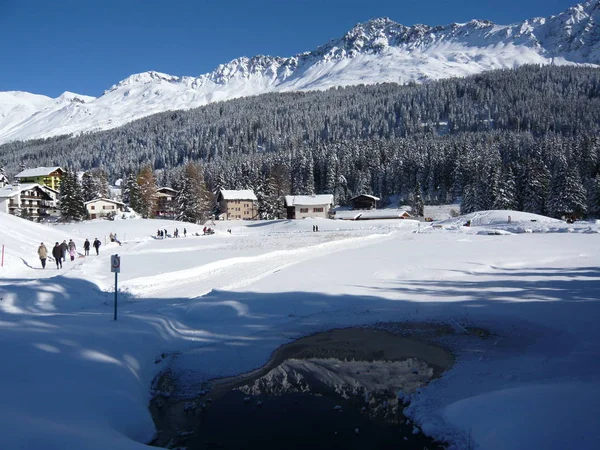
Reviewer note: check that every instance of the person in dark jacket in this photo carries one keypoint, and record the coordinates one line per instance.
(65, 248)
(96, 245)
(57, 253)
(86, 247)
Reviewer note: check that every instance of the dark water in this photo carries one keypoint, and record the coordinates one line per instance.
(298, 421)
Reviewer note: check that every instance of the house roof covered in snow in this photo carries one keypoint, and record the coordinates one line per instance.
(372, 214)
(309, 200)
(102, 199)
(367, 196)
(12, 190)
(166, 190)
(37, 172)
(244, 194)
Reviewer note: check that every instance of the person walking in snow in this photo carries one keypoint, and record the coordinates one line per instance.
(65, 248)
(43, 254)
(72, 249)
(97, 245)
(184, 232)
(57, 253)
(86, 247)
(176, 233)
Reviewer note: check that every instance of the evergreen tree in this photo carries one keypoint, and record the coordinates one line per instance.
(505, 195)
(94, 184)
(567, 195)
(192, 199)
(147, 193)
(594, 197)
(468, 201)
(71, 198)
(418, 207)
(535, 182)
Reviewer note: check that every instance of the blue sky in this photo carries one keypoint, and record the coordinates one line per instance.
(85, 46)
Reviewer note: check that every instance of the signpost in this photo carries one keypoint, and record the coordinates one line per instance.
(115, 266)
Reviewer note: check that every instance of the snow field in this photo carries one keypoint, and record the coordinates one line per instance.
(207, 306)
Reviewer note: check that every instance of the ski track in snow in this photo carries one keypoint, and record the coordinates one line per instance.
(219, 274)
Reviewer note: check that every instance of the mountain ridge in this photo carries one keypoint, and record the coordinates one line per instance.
(378, 50)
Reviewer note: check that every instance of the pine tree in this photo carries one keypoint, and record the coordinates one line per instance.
(535, 182)
(71, 198)
(468, 200)
(130, 192)
(505, 192)
(94, 184)
(192, 200)
(418, 207)
(594, 197)
(567, 195)
(147, 192)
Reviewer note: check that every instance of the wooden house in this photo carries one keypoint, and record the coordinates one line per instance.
(364, 201)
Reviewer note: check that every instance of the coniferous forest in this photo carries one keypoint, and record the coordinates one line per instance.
(526, 139)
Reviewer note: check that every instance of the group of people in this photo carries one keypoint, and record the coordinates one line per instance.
(60, 251)
(206, 230)
(163, 233)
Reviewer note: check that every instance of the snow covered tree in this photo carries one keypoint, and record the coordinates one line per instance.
(94, 184)
(71, 198)
(505, 192)
(594, 197)
(535, 184)
(567, 194)
(193, 202)
(3, 177)
(468, 200)
(418, 207)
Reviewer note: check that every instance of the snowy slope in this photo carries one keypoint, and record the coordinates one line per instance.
(379, 50)
(207, 306)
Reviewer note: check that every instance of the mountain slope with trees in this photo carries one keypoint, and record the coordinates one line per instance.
(497, 139)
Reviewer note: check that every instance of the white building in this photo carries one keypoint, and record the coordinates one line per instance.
(308, 206)
(102, 207)
(27, 199)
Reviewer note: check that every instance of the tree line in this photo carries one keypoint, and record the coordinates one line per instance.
(524, 138)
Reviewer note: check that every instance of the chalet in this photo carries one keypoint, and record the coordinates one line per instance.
(308, 206)
(374, 214)
(236, 205)
(102, 207)
(25, 200)
(165, 202)
(46, 176)
(364, 201)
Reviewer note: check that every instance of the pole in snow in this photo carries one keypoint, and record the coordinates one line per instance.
(115, 266)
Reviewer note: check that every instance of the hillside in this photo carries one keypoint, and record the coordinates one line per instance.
(377, 51)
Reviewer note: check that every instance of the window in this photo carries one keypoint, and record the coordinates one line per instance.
(317, 209)
(303, 210)
(92, 207)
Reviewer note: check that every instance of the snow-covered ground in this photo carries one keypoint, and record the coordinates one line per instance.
(218, 305)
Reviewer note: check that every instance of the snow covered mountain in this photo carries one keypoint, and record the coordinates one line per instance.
(376, 51)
